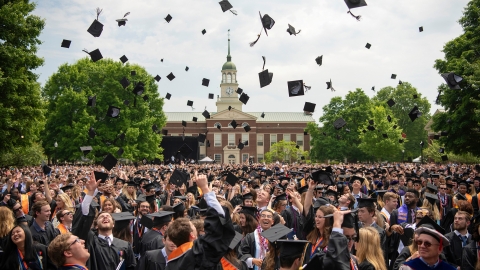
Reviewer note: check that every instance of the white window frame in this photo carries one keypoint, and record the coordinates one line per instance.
(272, 141)
(259, 158)
(217, 140)
(245, 157)
(285, 136)
(300, 139)
(217, 158)
(245, 137)
(231, 139)
(260, 139)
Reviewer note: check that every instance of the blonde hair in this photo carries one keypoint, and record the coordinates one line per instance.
(127, 194)
(433, 208)
(369, 248)
(8, 222)
(66, 201)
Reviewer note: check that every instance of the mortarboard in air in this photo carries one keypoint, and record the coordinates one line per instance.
(113, 111)
(230, 108)
(91, 132)
(133, 72)
(225, 5)
(187, 68)
(124, 59)
(124, 82)
(66, 43)
(178, 178)
(444, 158)
(319, 60)
(452, 80)
(231, 179)
(276, 232)
(305, 133)
(168, 96)
(330, 85)
(394, 76)
(120, 152)
(138, 89)
(355, 4)
(234, 124)
(46, 169)
(86, 149)
(239, 90)
(194, 119)
(122, 219)
(309, 107)
(394, 126)
(414, 113)
(184, 123)
(206, 114)
(211, 96)
(201, 138)
(235, 241)
(240, 146)
(373, 88)
(265, 78)
(415, 96)
(100, 176)
(168, 18)
(407, 236)
(170, 76)
(385, 135)
(145, 98)
(368, 45)
(371, 122)
(157, 78)
(262, 115)
(96, 27)
(92, 100)
(95, 55)
(185, 151)
(371, 128)
(244, 98)
(164, 132)
(444, 133)
(205, 82)
(295, 88)
(155, 128)
(390, 102)
(339, 123)
(267, 22)
(366, 202)
(291, 30)
(420, 29)
(323, 177)
(389, 118)
(441, 150)
(109, 162)
(190, 103)
(247, 128)
(123, 21)
(204, 32)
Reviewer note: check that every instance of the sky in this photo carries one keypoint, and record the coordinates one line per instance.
(391, 27)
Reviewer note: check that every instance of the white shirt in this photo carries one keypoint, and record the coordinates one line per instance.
(386, 213)
(109, 240)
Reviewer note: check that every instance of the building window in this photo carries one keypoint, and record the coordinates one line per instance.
(273, 139)
(286, 137)
(260, 139)
(217, 124)
(300, 139)
(218, 158)
(234, 79)
(244, 124)
(245, 138)
(231, 139)
(229, 78)
(260, 158)
(202, 157)
(244, 157)
(218, 140)
(224, 77)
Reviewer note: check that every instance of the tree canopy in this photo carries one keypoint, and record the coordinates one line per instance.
(461, 119)
(21, 106)
(284, 152)
(69, 119)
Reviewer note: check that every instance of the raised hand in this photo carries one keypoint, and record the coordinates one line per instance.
(92, 183)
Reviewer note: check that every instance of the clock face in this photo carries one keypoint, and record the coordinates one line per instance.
(229, 91)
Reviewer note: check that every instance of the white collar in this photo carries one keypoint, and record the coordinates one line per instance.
(459, 234)
(104, 237)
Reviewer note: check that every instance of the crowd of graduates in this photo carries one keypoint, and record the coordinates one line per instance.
(240, 216)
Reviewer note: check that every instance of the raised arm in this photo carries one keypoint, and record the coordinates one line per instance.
(308, 197)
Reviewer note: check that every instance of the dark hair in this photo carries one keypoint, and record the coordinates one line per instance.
(37, 207)
(414, 192)
(475, 234)
(287, 261)
(10, 256)
(179, 231)
(250, 224)
(122, 233)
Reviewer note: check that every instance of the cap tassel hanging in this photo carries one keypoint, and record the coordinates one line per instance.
(234, 12)
(353, 15)
(306, 87)
(264, 60)
(99, 11)
(258, 37)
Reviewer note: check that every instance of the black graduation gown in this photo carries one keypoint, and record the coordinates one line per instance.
(102, 256)
(366, 265)
(469, 256)
(208, 250)
(401, 258)
(44, 237)
(152, 260)
(151, 240)
(453, 252)
(447, 221)
(137, 238)
(247, 247)
(294, 220)
(337, 256)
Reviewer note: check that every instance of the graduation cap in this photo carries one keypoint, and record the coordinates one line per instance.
(415, 96)
(179, 207)
(225, 5)
(66, 43)
(138, 89)
(414, 113)
(247, 128)
(366, 202)
(265, 78)
(178, 178)
(46, 169)
(339, 123)
(100, 176)
(452, 80)
(124, 82)
(432, 187)
(122, 219)
(244, 98)
(252, 211)
(204, 32)
(185, 150)
(319, 60)
(124, 59)
(432, 198)
(291, 30)
(444, 133)
(201, 138)
(109, 162)
(145, 98)
(330, 85)
(309, 107)
(206, 114)
(368, 45)
(157, 78)
(205, 82)
(170, 76)
(262, 115)
(91, 132)
(168, 18)
(394, 76)
(133, 73)
(86, 149)
(123, 21)
(120, 151)
(292, 248)
(234, 124)
(230, 108)
(295, 88)
(231, 179)
(113, 111)
(385, 135)
(444, 158)
(168, 96)
(240, 146)
(407, 236)
(420, 29)
(239, 90)
(190, 103)
(96, 27)
(184, 123)
(390, 102)
(373, 88)
(371, 128)
(276, 232)
(323, 177)
(194, 119)
(355, 4)
(235, 241)
(211, 96)
(133, 184)
(92, 101)
(95, 55)
(267, 23)
(427, 222)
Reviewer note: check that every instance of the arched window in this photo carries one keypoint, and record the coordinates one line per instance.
(234, 79)
(217, 124)
(229, 78)
(224, 77)
(231, 156)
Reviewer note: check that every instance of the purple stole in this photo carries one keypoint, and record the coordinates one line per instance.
(402, 214)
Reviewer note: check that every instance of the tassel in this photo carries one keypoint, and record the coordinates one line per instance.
(253, 43)
(264, 60)
(307, 87)
(300, 30)
(98, 12)
(85, 50)
(234, 12)
(126, 14)
(356, 17)
(333, 89)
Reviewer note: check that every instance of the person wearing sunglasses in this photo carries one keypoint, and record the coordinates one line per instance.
(68, 252)
(430, 245)
(65, 217)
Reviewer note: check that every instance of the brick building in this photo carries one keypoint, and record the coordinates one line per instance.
(222, 139)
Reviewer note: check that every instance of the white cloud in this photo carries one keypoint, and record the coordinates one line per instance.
(391, 27)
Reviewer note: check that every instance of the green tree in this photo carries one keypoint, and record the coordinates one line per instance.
(432, 153)
(462, 115)
(21, 106)
(69, 118)
(404, 97)
(284, 152)
(23, 156)
(327, 142)
(373, 141)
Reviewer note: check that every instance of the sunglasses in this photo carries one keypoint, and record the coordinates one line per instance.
(442, 188)
(351, 238)
(425, 243)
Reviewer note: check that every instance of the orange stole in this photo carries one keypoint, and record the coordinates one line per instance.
(226, 265)
(180, 250)
(25, 204)
(62, 228)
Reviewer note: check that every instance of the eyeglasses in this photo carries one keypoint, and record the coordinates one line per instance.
(351, 238)
(76, 241)
(442, 188)
(425, 243)
(266, 216)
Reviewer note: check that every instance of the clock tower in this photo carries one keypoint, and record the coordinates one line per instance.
(228, 87)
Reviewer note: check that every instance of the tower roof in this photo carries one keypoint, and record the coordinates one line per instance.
(229, 64)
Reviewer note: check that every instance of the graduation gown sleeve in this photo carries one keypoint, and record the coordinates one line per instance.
(337, 256)
(152, 260)
(402, 257)
(469, 256)
(151, 240)
(246, 249)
